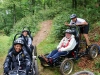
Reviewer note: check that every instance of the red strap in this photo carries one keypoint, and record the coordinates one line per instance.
(66, 43)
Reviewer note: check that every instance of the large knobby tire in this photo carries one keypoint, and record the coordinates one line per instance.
(93, 52)
(66, 66)
(35, 51)
(36, 68)
(84, 73)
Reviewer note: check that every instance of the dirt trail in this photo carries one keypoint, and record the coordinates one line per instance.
(43, 33)
(38, 38)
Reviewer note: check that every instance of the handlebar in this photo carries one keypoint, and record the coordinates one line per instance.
(15, 72)
(76, 27)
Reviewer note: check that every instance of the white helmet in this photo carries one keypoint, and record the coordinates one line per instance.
(18, 41)
(68, 31)
(25, 30)
(73, 16)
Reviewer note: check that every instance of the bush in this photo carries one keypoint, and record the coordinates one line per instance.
(7, 30)
(59, 25)
(61, 18)
(29, 22)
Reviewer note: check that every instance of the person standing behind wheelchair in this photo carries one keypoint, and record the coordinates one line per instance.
(67, 44)
(80, 22)
(17, 58)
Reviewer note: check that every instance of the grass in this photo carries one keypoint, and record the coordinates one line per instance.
(97, 37)
(1, 64)
(4, 47)
(46, 46)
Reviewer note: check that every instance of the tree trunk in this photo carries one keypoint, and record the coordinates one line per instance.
(33, 4)
(21, 9)
(44, 6)
(14, 13)
(98, 1)
(85, 3)
(4, 21)
(74, 4)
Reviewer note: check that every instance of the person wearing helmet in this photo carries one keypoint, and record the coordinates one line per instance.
(67, 44)
(26, 38)
(80, 22)
(18, 58)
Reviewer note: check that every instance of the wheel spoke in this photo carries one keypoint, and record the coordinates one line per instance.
(94, 52)
(67, 67)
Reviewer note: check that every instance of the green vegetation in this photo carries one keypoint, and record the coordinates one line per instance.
(4, 45)
(16, 14)
(47, 45)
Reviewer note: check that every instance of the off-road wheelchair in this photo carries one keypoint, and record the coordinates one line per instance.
(66, 62)
(32, 53)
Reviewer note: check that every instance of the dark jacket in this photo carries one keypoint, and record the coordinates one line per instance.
(27, 43)
(27, 40)
(16, 60)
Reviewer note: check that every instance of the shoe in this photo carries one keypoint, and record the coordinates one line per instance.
(88, 47)
(39, 57)
(51, 60)
(46, 59)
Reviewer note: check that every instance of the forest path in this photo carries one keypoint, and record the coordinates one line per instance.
(43, 32)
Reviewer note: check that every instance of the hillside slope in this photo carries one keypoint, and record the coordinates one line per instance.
(83, 64)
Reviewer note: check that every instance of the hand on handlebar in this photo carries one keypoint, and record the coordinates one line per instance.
(66, 23)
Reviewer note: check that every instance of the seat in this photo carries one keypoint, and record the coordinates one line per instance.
(74, 51)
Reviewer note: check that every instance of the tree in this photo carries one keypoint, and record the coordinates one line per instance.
(98, 3)
(74, 3)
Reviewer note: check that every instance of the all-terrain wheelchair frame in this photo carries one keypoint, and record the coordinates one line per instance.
(33, 55)
(66, 62)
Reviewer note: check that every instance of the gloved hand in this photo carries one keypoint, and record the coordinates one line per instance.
(5, 74)
(27, 70)
(6, 70)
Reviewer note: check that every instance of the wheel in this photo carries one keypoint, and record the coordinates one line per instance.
(84, 73)
(35, 51)
(36, 68)
(93, 52)
(66, 67)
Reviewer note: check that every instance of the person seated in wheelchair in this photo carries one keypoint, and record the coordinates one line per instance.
(18, 58)
(67, 44)
(27, 38)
